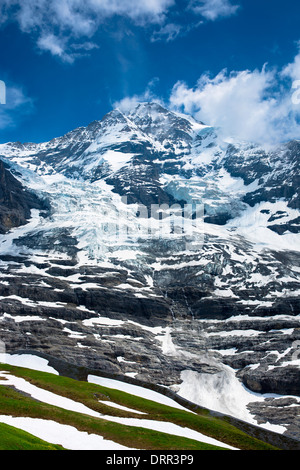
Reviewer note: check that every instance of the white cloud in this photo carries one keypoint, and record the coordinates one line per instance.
(58, 47)
(214, 9)
(126, 104)
(139, 11)
(55, 45)
(292, 70)
(82, 18)
(250, 105)
(17, 105)
(168, 32)
(85, 46)
(55, 24)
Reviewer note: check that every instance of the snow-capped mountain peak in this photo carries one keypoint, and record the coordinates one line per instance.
(186, 295)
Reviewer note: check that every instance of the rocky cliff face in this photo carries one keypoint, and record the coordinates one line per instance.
(166, 254)
(16, 202)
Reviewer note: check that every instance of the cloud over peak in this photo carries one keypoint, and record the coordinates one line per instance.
(253, 105)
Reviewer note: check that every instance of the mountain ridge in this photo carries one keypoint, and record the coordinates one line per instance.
(169, 298)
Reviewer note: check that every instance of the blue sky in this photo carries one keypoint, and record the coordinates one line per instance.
(230, 63)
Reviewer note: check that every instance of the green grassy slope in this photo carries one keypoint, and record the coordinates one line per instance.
(12, 438)
(14, 403)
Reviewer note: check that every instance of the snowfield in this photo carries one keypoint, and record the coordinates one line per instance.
(221, 393)
(68, 436)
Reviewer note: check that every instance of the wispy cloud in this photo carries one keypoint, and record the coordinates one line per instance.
(82, 18)
(214, 9)
(55, 24)
(167, 32)
(292, 70)
(58, 46)
(127, 103)
(17, 106)
(55, 45)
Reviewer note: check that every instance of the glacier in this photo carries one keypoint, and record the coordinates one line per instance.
(205, 302)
